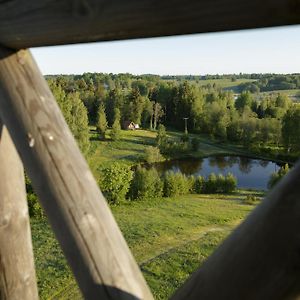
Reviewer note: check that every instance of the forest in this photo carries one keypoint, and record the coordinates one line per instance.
(260, 121)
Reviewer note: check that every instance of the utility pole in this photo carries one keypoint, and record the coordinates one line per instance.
(185, 125)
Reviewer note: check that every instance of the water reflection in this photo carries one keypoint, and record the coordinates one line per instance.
(251, 173)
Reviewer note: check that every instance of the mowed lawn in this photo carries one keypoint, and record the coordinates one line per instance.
(169, 237)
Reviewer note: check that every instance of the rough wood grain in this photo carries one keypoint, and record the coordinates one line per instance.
(81, 219)
(32, 23)
(17, 273)
(261, 259)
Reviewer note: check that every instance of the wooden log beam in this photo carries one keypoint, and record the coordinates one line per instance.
(79, 215)
(261, 259)
(17, 273)
(33, 23)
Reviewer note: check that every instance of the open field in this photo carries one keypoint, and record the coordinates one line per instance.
(168, 237)
(224, 83)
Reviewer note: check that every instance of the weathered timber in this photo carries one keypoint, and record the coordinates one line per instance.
(261, 259)
(17, 273)
(33, 23)
(80, 217)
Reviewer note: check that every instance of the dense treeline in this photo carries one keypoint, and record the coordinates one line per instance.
(272, 83)
(110, 100)
(119, 182)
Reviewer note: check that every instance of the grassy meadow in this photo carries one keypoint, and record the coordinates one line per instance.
(169, 237)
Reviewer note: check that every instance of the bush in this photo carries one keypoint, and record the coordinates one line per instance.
(175, 147)
(220, 184)
(115, 182)
(175, 184)
(211, 184)
(146, 184)
(230, 183)
(275, 177)
(34, 207)
(152, 154)
(191, 184)
(250, 200)
(199, 184)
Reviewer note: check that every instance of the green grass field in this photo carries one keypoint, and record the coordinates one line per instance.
(169, 238)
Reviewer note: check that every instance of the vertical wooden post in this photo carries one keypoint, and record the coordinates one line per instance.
(17, 273)
(80, 217)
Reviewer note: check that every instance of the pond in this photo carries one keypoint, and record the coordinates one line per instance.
(250, 173)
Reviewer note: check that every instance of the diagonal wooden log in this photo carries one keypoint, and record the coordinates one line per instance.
(17, 273)
(82, 221)
(261, 259)
(33, 23)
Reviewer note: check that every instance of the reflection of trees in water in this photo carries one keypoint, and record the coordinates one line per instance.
(245, 164)
(263, 163)
(189, 167)
(221, 162)
(232, 160)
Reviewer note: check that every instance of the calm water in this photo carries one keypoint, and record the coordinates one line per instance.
(250, 173)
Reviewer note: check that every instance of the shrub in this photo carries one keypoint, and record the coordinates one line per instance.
(34, 207)
(211, 184)
(152, 154)
(175, 184)
(174, 147)
(146, 184)
(115, 182)
(220, 184)
(230, 183)
(250, 200)
(191, 184)
(275, 177)
(199, 184)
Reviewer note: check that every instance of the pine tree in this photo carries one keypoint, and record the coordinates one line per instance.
(102, 122)
(116, 127)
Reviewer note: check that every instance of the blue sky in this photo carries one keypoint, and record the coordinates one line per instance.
(275, 50)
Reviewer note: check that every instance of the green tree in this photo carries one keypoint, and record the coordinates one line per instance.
(291, 129)
(275, 177)
(115, 181)
(78, 121)
(146, 184)
(102, 122)
(245, 99)
(116, 127)
(161, 137)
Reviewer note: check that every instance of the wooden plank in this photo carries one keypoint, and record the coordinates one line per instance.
(17, 273)
(261, 259)
(48, 22)
(79, 215)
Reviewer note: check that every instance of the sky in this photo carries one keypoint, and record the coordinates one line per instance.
(275, 50)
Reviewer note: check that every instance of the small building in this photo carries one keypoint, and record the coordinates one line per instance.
(128, 125)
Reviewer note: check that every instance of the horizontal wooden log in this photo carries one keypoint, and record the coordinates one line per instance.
(261, 259)
(33, 23)
(17, 273)
(81, 219)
